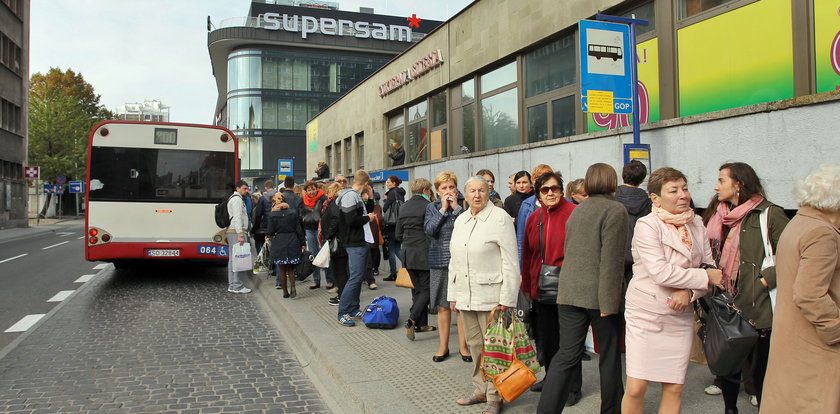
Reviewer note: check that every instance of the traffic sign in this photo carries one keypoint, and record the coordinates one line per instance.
(32, 172)
(606, 81)
(53, 189)
(77, 187)
(61, 179)
(285, 168)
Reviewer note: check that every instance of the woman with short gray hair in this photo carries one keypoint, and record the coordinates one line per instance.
(803, 365)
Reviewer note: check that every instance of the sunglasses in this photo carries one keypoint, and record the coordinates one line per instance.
(341, 181)
(553, 189)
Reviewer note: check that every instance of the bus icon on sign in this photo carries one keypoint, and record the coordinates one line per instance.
(605, 51)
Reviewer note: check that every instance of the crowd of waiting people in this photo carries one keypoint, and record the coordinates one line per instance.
(630, 262)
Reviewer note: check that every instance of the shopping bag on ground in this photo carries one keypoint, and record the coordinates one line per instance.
(262, 258)
(322, 259)
(241, 256)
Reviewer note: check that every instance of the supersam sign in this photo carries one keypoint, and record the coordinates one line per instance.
(307, 25)
(418, 69)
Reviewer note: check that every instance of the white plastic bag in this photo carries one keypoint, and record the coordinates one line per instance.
(242, 259)
(769, 256)
(322, 259)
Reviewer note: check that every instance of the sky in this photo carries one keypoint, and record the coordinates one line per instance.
(157, 49)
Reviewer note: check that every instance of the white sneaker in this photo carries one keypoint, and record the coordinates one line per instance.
(240, 290)
(712, 390)
(333, 289)
(754, 400)
(372, 286)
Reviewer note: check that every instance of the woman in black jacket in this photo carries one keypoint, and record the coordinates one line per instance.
(394, 197)
(522, 185)
(410, 231)
(287, 242)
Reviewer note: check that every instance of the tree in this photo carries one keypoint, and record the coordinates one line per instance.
(63, 108)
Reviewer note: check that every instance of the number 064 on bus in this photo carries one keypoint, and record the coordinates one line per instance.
(151, 191)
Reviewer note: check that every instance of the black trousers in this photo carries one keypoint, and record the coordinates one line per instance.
(573, 322)
(419, 297)
(375, 256)
(547, 339)
(340, 269)
(731, 385)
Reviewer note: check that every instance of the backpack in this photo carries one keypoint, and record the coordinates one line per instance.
(393, 214)
(222, 215)
(382, 313)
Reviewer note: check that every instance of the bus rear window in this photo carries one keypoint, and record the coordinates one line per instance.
(152, 174)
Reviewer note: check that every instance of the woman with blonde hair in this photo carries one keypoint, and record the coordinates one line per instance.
(287, 242)
(802, 374)
(439, 222)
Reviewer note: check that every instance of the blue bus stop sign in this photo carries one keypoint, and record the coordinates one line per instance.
(77, 187)
(605, 71)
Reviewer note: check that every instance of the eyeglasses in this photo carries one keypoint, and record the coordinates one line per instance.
(553, 189)
(341, 181)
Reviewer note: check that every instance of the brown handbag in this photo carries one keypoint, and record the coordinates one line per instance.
(514, 381)
(403, 279)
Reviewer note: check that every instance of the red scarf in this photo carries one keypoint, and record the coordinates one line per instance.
(728, 250)
(311, 201)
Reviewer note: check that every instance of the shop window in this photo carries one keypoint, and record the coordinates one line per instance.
(647, 12)
(498, 78)
(499, 120)
(689, 8)
(418, 142)
(396, 133)
(438, 109)
(348, 155)
(468, 143)
(550, 67)
(538, 123)
(418, 111)
(563, 113)
(360, 150)
(396, 121)
(468, 90)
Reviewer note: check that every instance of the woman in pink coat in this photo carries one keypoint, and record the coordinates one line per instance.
(669, 245)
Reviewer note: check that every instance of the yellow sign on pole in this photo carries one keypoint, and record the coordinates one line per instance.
(600, 102)
(281, 177)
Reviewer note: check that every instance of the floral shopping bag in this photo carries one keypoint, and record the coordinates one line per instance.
(506, 338)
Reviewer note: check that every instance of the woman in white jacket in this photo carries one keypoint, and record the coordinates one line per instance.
(483, 274)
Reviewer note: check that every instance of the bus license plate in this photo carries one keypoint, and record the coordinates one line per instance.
(163, 253)
(207, 249)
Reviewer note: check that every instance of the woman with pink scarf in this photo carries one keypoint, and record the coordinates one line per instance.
(734, 230)
(669, 246)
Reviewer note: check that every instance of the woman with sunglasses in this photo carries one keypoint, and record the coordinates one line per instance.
(545, 235)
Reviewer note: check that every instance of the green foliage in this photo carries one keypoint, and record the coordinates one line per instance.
(62, 110)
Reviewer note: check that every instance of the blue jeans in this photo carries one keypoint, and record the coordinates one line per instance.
(357, 263)
(312, 245)
(394, 251)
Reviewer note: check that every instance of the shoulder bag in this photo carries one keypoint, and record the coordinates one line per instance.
(727, 337)
(549, 276)
(769, 257)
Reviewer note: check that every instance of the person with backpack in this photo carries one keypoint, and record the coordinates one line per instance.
(261, 210)
(313, 199)
(394, 198)
(237, 232)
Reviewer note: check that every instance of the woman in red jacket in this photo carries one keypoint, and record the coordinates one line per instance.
(549, 224)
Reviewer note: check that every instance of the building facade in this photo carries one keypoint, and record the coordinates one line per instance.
(14, 113)
(283, 64)
(498, 86)
(150, 111)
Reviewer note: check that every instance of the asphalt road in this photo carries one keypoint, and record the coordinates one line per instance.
(34, 269)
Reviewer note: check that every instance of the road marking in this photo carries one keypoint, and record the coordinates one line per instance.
(24, 324)
(60, 296)
(84, 279)
(64, 233)
(79, 238)
(100, 266)
(13, 258)
(57, 244)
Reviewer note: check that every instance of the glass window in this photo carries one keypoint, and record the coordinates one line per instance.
(689, 8)
(550, 67)
(395, 136)
(418, 111)
(151, 174)
(500, 120)
(469, 128)
(439, 109)
(643, 12)
(502, 76)
(563, 113)
(255, 147)
(396, 121)
(468, 90)
(418, 142)
(538, 123)
(245, 112)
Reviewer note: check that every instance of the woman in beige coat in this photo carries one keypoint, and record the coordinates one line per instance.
(483, 275)
(803, 374)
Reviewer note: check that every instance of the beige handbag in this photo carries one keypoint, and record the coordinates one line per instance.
(403, 279)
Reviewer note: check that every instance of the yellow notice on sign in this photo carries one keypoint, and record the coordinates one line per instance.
(599, 101)
(281, 177)
(639, 154)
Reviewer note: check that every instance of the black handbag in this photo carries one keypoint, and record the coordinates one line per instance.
(549, 277)
(523, 308)
(304, 268)
(727, 337)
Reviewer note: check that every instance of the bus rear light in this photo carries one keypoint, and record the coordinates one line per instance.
(163, 211)
(93, 240)
(225, 138)
(106, 238)
(93, 232)
(104, 132)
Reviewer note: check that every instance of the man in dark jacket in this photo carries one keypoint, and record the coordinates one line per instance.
(323, 171)
(398, 155)
(292, 199)
(394, 197)
(636, 201)
(355, 236)
(261, 211)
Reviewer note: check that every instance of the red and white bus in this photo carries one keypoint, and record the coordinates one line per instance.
(152, 188)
